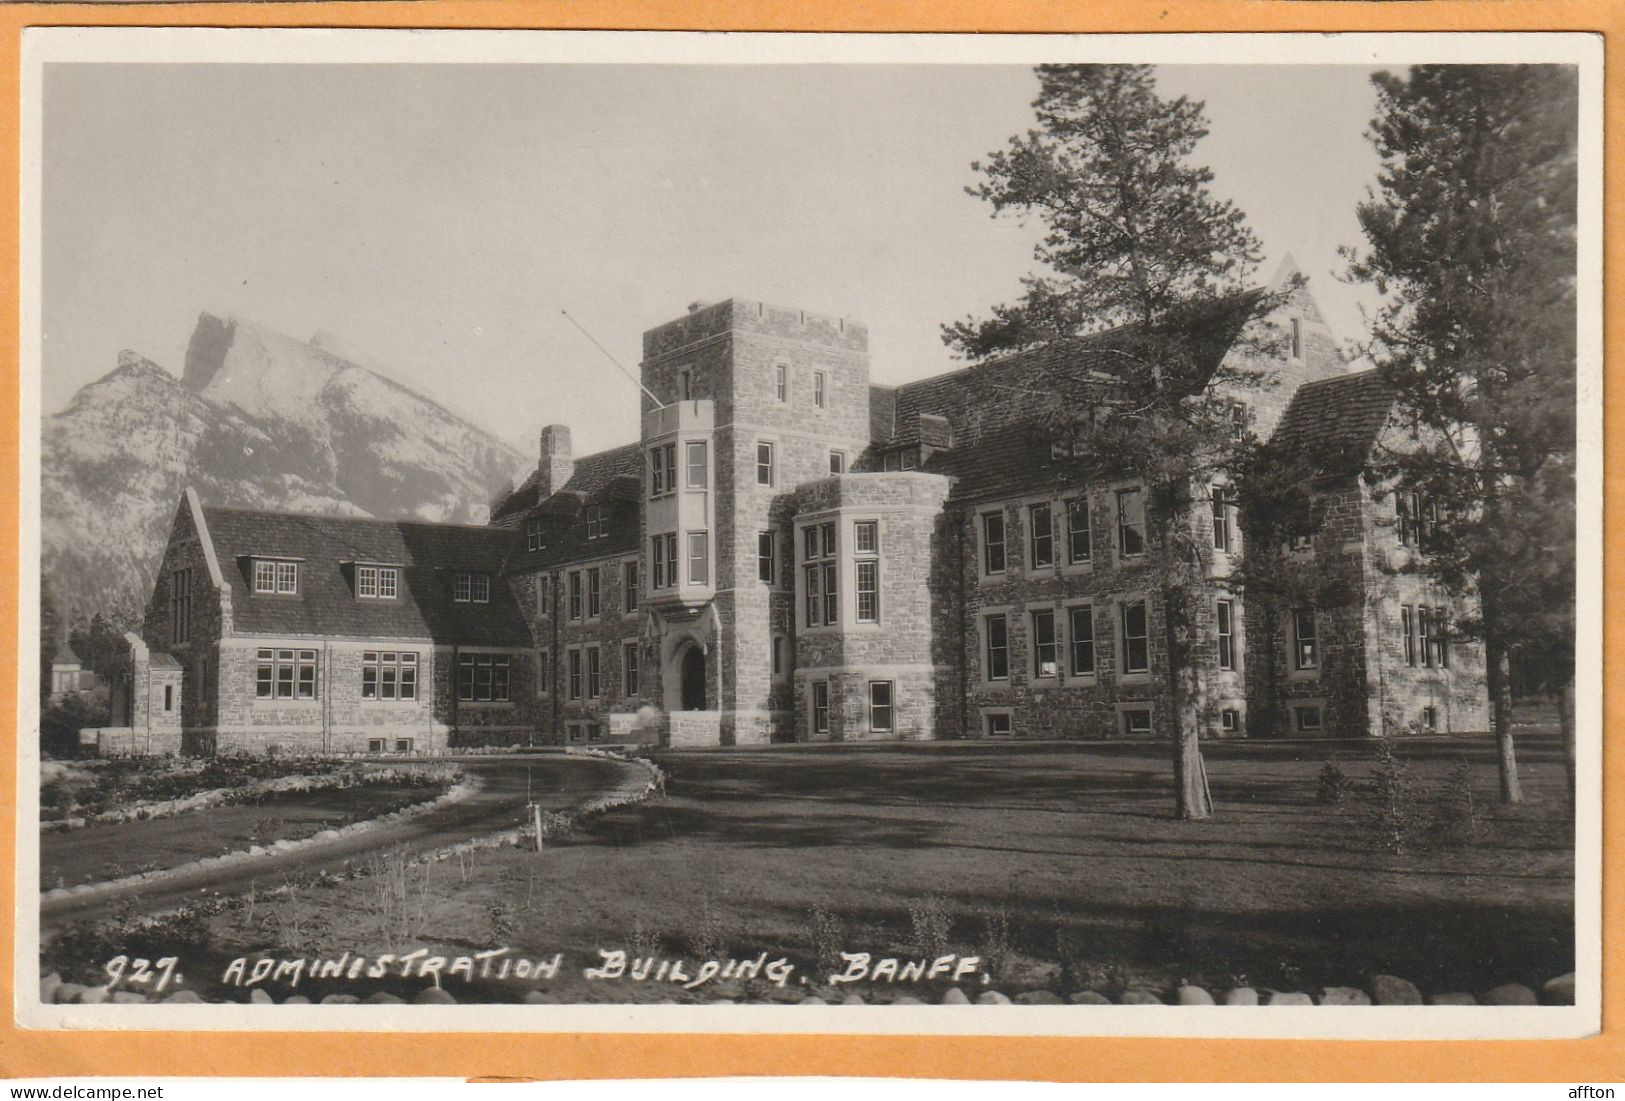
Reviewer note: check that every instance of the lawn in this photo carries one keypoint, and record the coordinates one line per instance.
(1061, 862)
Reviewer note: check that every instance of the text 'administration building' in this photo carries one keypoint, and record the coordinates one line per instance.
(793, 553)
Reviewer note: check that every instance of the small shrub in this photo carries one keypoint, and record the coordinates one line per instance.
(997, 940)
(500, 922)
(1334, 785)
(1455, 817)
(930, 924)
(1392, 811)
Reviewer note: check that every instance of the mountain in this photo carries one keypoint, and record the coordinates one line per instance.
(256, 418)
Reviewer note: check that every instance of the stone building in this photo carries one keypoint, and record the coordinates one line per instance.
(791, 552)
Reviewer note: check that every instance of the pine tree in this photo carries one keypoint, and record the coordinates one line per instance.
(1137, 248)
(1471, 236)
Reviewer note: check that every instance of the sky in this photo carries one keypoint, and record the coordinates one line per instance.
(438, 218)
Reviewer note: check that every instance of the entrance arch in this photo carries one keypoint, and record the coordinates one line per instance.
(691, 678)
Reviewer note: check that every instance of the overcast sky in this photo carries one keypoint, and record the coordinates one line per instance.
(439, 217)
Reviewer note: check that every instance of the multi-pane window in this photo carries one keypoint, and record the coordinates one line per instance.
(818, 389)
(821, 575)
(1227, 634)
(594, 674)
(1429, 645)
(483, 678)
(597, 525)
(1221, 518)
(1137, 722)
(764, 464)
(377, 582)
(1040, 537)
(573, 671)
(1305, 652)
(1407, 628)
(629, 669)
(867, 591)
(837, 462)
(993, 542)
(1308, 718)
(472, 588)
(389, 675)
(630, 584)
(781, 382)
(662, 469)
(595, 592)
(820, 706)
(663, 556)
(766, 554)
(281, 578)
(544, 671)
(699, 558)
(180, 606)
(1083, 641)
(285, 675)
(1046, 653)
(1136, 638)
(996, 639)
(544, 600)
(1424, 635)
(1077, 531)
(866, 537)
(998, 724)
(880, 706)
(694, 464)
(1441, 638)
(1230, 720)
(575, 594)
(534, 539)
(1130, 522)
(1417, 518)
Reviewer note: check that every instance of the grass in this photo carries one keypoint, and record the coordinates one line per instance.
(1063, 862)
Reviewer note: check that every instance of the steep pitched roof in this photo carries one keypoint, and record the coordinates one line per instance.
(592, 475)
(429, 556)
(1334, 423)
(564, 527)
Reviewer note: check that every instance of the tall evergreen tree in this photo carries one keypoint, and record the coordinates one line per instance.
(1471, 237)
(1135, 244)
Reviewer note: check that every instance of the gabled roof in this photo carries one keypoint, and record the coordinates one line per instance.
(592, 475)
(564, 527)
(1334, 423)
(430, 555)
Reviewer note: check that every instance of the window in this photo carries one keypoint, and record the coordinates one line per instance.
(992, 542)
(814, 595)
(472, 587)
(575, 594)
(403, 745)
(822, 585)
(1046, 654)
(818, 389)
(630, 584)
(629, 668)
(880, 706)
(664, 555)
(997, 723)
(820, 706)
(534, 540)
(594, 674)
(1302, 536)
(1227, 634)
(377, 582)
(285, 675)
(389, 676)
(781, 382)
(832, 613)
(1297, 338)
(180, 607)
(908, 460)
(1221, 518)
(1441, 638)
(595, 593)
(1077, 531)
(866, 537)
(776, 657)
(1130, 523)
(695, 451)
(1407, 625)
(837, 462)
(1424, 636)
(544, 671)
(766, 552)
(657, 471)
(281, 578)
(1304, 653)
(1137, 722)
(574, 674)
(685, 384)
(1230, 720)
(1417, 518)
(483, 678)
(169, 697)
(868, 591)
(1083, 641)
(699, 558)
(996, 638)
(1430, 718)
(764, 464)
(597, 528)
(544, 589)
(377, 745)
(1136, 641)
(1308, 718)
(1041, 537)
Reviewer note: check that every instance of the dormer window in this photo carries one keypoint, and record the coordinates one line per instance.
(377, 582)
(278, 578)
(534, 540)
(472, 588)
(597, 527)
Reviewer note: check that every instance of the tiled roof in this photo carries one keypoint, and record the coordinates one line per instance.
(564, 527)
(882, 412)
(1334, 423)
(591, 476)
(430, 555)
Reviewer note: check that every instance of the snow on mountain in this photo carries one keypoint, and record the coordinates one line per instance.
(256, 419)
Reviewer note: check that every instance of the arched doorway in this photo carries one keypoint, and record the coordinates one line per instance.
(693, 679)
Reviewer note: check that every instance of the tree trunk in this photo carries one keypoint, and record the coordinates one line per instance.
(1565, 723)
(1497, 670)
(1191, 799)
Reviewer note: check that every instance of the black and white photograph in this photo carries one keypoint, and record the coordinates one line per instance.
(784, 533)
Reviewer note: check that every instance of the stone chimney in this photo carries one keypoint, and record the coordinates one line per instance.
(556, 464)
